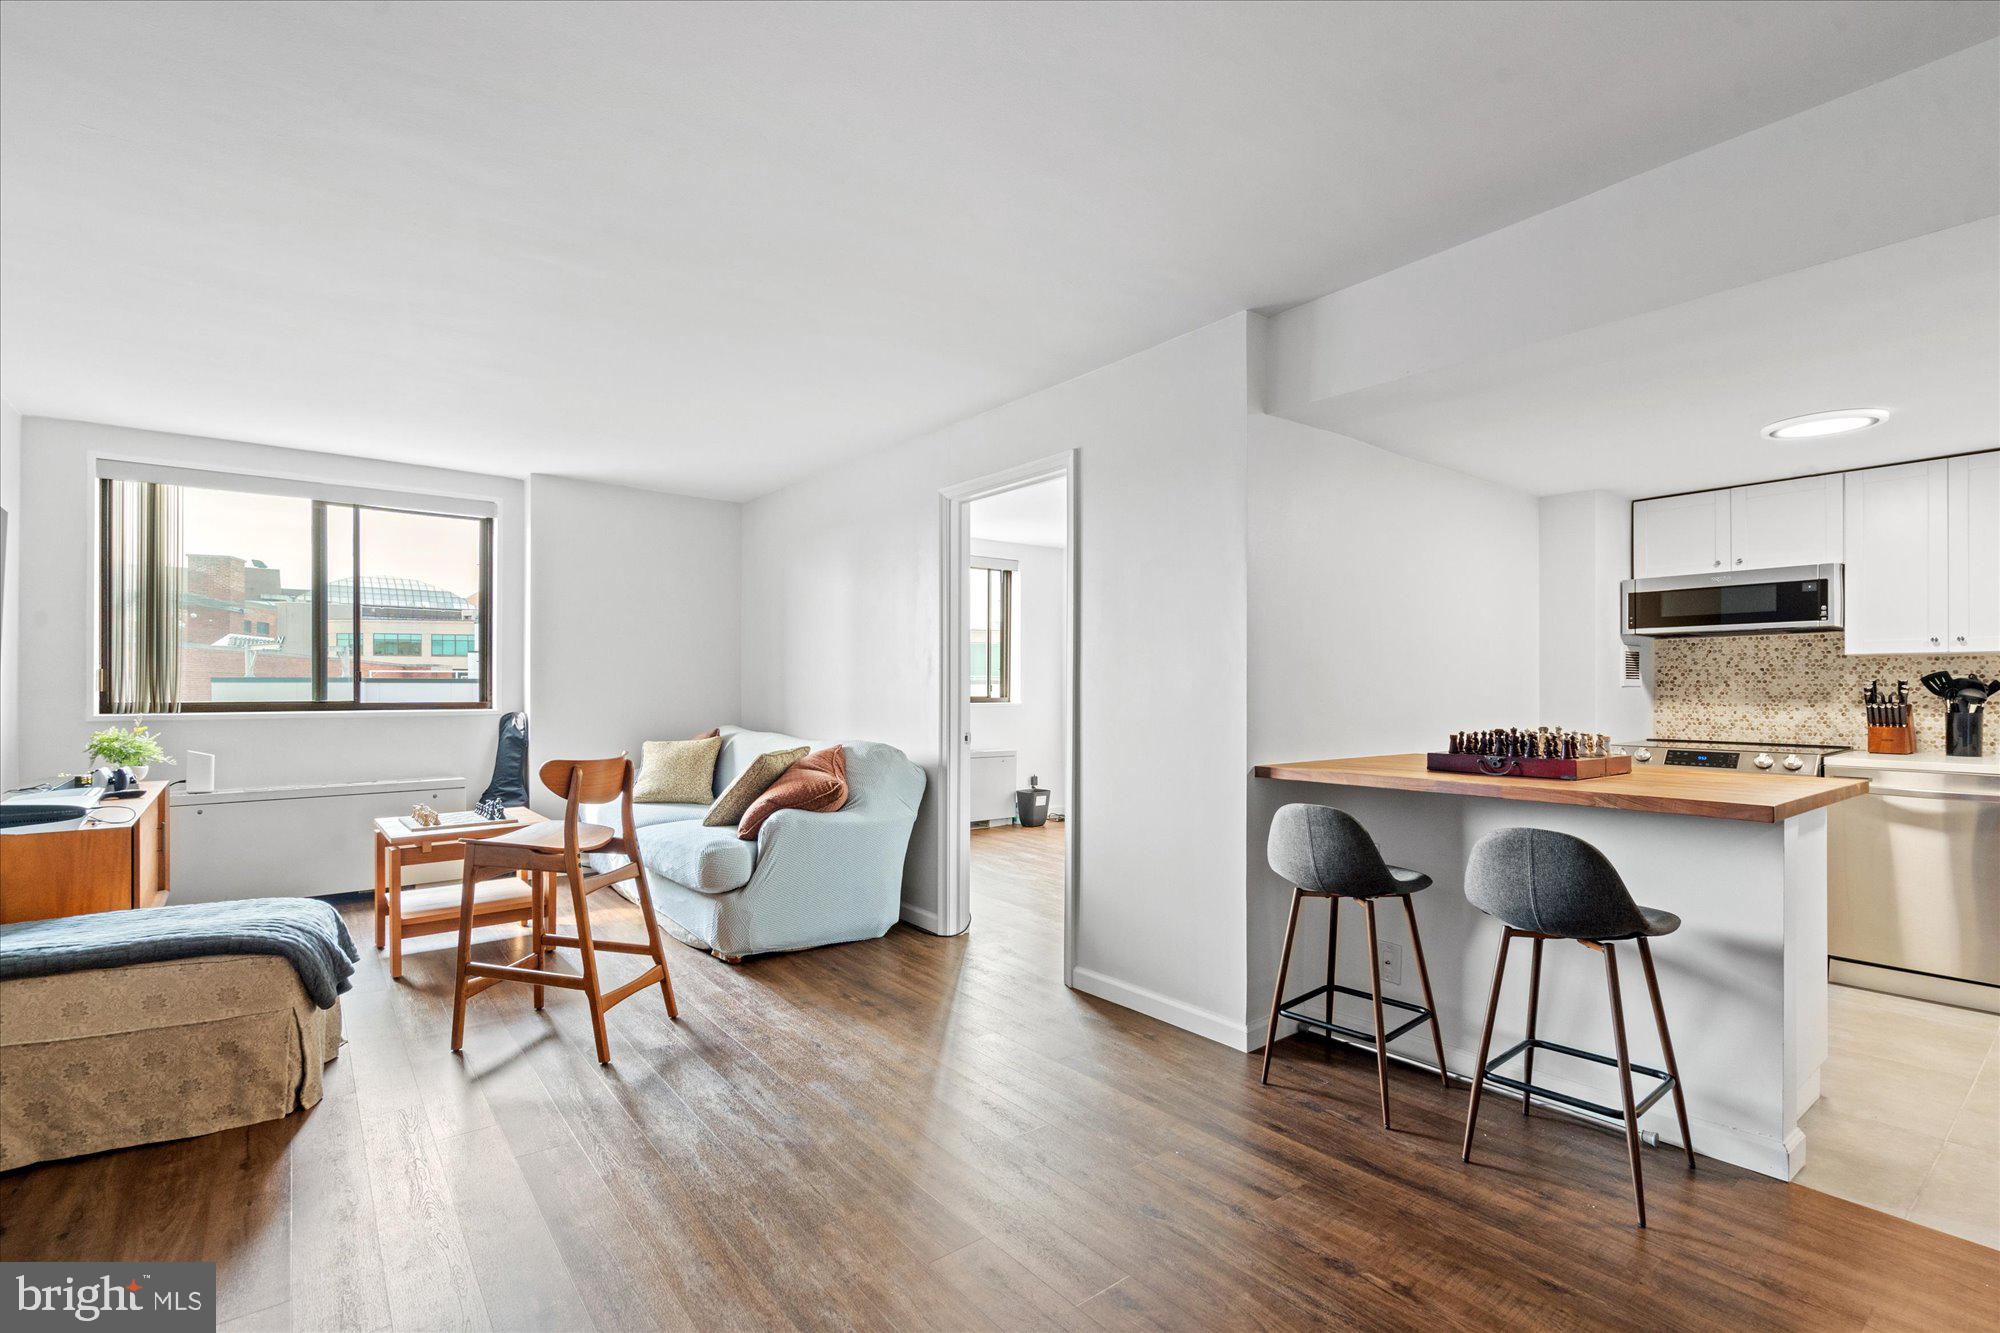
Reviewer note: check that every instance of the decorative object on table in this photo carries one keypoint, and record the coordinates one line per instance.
(1539, 752)
(491, 809)
(1889, 727)
(128, 751)
(510, 765)
(1031, 803)
(1965, 703)
(427, 818)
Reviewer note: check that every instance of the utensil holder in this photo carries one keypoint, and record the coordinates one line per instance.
(1962, 739)
(1892, 740)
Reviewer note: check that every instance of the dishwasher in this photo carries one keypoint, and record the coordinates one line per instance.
(1913, 878)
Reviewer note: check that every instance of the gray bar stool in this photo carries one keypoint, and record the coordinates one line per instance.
(1325, 853)
(1543, 885)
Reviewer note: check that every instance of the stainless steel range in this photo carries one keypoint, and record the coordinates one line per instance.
(1808, 761)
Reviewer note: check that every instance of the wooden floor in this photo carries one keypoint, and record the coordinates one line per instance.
(921, 1133)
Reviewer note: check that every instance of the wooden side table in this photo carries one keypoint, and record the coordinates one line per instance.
(430, 909)
(117, 857)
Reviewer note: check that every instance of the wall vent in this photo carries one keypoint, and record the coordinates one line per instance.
(1631, 675)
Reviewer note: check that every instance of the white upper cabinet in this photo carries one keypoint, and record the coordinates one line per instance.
(1680, 534)
(1786, 523)
(1897, 559)
(1972, 575)
(1921, 543)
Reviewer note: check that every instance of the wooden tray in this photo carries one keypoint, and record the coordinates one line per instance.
(1566, 770)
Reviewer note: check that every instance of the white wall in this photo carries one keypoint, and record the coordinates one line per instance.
(10, 599)
(1391, 602)
(58, 624)
(634, 615)
(1031, 723)
(842, 640)
(1585, 552)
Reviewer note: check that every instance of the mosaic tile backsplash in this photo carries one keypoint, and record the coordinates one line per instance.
(1801, 688)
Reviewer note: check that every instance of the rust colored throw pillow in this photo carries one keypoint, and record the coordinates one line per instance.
(817, 783)
(764, 770)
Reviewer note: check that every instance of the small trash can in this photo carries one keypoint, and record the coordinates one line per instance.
(1031, 805)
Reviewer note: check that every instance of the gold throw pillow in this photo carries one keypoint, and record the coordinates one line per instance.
(677, 772)
(765, 770)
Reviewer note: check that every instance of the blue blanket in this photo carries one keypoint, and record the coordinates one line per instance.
(305, 932)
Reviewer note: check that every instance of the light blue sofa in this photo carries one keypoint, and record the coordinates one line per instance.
(808, 879)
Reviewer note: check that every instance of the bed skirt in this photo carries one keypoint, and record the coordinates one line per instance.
(126, 1055)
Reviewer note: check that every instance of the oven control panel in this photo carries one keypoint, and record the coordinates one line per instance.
(1705, 758)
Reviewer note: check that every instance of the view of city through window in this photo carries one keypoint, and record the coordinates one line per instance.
(247, 604)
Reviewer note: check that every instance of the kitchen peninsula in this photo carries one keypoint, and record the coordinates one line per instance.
(1740, 859)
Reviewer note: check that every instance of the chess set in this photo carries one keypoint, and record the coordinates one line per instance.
(1537, 752)
(485, 812)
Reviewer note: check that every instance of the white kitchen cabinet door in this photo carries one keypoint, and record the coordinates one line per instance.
(1786, 523)
(1680, 534)
(1896, 559)
(1973, 572)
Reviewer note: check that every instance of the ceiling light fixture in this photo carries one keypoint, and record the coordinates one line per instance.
(1815, 424)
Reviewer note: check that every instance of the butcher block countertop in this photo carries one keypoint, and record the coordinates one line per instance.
(1758, 798)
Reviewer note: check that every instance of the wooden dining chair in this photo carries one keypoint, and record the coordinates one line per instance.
(544, 851)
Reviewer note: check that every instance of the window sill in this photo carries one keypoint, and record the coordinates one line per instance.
(275, 713)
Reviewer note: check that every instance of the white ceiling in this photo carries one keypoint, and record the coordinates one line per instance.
(1677, 400)
(1036, 515)
(711, 248)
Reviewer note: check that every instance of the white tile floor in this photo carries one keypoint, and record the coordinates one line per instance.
(1908, 1119)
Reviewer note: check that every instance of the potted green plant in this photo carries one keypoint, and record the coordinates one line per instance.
(133, 749)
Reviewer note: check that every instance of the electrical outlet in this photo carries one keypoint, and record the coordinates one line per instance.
(1392, 963)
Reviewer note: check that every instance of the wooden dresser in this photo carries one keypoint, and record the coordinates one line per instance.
(69, 870)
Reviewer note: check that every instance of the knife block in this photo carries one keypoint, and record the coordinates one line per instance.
(1892, 740)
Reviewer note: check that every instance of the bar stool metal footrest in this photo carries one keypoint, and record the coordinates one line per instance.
(1353, 1036)
(1529, 1090)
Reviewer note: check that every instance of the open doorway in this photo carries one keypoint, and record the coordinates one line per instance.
(1009, 672)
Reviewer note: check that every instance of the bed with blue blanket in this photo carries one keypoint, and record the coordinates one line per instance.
(121, 1028)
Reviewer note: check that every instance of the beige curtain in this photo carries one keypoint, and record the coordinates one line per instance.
(142, 650)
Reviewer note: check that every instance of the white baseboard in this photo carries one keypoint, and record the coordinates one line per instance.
(1216, 1027)
(923, 918)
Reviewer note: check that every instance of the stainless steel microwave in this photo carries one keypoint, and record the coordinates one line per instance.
(1795, 600)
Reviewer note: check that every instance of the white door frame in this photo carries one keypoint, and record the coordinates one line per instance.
(955, 711)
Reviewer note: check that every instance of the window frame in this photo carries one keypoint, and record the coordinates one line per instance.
(319, 703)
(1006, 573)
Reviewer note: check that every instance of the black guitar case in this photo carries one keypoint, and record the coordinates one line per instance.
(510, 763)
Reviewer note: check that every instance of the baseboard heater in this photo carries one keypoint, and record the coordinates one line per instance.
(293, 842)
